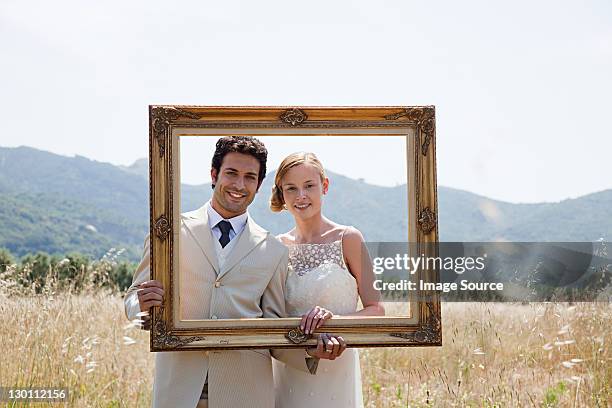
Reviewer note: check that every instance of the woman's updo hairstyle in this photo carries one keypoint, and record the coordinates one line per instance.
(277, 202)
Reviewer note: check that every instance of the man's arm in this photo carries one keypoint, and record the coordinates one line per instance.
(273, 306)
(143, 293)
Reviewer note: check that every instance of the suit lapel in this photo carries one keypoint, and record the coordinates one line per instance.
(197, 225)
(249, 239)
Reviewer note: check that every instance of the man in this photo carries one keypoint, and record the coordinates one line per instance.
(229, 268)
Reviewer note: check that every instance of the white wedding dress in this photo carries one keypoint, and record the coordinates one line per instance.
(318, 276)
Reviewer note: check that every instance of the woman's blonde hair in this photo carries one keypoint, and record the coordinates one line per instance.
(277, 202)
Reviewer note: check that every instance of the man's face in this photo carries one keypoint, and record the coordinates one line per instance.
(235, 184)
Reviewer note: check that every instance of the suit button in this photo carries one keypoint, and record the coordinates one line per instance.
(217, 284)
(214, 317)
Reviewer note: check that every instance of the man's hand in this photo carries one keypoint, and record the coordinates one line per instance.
(150, 294)
(329, 347)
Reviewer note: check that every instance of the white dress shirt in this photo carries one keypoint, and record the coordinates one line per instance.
(238, 223)
(214, 217)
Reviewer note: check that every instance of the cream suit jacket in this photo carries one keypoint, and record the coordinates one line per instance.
(251, 284)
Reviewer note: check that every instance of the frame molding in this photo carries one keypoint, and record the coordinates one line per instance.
(255, 333)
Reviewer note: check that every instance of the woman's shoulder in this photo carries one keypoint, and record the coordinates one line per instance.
(351, 234)
(351, 242)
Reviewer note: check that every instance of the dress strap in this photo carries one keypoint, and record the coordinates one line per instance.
(343, 231)
(342, 247)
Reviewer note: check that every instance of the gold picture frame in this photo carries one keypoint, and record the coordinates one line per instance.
(167, 123)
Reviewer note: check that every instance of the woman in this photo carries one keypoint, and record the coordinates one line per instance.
(327, 275)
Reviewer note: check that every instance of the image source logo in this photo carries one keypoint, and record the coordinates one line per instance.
(492, 271)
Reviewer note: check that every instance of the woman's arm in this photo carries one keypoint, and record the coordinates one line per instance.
(359, 263)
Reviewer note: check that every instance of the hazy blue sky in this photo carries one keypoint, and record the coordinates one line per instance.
(522, 89)
(387, 167)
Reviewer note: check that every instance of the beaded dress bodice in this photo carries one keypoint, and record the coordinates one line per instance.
(318, 276)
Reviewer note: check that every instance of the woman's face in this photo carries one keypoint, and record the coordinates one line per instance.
(302, 190)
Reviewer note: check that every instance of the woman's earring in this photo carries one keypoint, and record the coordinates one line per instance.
(285, 206)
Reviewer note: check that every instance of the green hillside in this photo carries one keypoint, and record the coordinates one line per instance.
(61, 204)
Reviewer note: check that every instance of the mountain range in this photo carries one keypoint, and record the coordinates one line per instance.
(60, 204)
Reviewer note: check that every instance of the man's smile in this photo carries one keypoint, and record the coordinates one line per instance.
(236, 195)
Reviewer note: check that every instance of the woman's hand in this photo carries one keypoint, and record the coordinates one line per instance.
(314, 319)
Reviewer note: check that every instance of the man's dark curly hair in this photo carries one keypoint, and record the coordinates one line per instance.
(241, 144)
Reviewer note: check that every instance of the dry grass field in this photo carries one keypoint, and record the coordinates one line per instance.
(504, 355)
